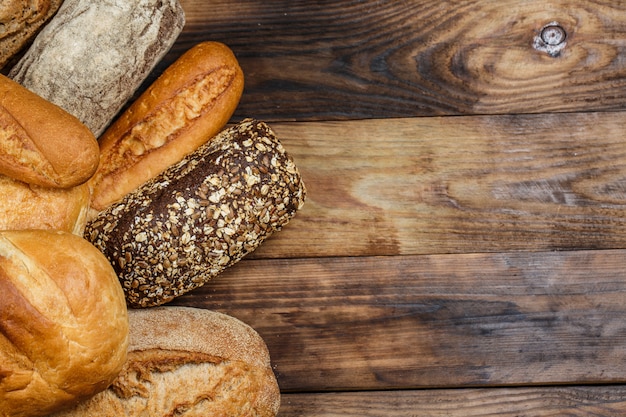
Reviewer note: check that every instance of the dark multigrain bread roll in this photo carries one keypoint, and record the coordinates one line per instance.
(201, 215)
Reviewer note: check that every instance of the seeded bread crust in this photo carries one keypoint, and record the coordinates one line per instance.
(200, 216)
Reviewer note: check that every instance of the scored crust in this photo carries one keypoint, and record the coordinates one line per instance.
(186, 361)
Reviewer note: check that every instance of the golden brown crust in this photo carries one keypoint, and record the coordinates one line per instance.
(63, 322)
(20, 20)
(24, 206)
(186, 362)
(190, 103)
(40, 143)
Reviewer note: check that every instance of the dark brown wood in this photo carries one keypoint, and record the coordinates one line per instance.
(433, 321)
(581, 401)
(437, 252)
(457, 185)
(372, 59)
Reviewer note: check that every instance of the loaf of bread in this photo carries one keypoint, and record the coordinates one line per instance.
(40, 143)
(188, 224)
(94, 54)
(24, 206)
(20, 20)
(63, 322)
(188, 362)
(186, 106)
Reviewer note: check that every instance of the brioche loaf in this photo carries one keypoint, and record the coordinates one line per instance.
(19, 22)
(188, 362)
(24, 206)
(186, 106)
(94, 54)
(40, 143)
(188, 224)
(63, 322)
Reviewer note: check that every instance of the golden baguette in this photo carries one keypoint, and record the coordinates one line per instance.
(186, 106)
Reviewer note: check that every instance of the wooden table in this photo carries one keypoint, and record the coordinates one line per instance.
(462, 251)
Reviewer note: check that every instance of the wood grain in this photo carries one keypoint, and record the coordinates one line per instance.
(583, 401)
(373, 59)
(456, 185)
(432, 321)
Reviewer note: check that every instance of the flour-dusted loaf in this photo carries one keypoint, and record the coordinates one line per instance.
(94, 54)
(19, 22)
(200, 216)
(24, 206)
(187, 105)
(188, 362)
(63, 322)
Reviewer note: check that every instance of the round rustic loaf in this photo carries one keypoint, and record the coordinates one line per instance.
(188, 362)
(200, 216)
(63, 322)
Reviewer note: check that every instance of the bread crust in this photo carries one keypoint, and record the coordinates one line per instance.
(40, 143)
(186, 106)
(94, 54)
(63, 322)
(200, 216)
(24, 206)
(20, 20)
(186, 361)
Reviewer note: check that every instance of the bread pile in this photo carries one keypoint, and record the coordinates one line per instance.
(126, 212)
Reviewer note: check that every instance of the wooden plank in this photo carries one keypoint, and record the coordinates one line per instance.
(457, 185)
(598, 401)
(433, 321)
(371, 59)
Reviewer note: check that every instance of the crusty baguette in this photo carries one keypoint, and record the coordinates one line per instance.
(40, 143)
(20, 20)
(63, 322)
(24, 206)
(188, 224)
(184, 362)
(94, 54)
(186, 106)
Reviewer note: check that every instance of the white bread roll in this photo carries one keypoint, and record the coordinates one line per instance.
(188, 362)
(63, 322)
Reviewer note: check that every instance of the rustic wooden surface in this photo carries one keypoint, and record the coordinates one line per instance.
(463, 248)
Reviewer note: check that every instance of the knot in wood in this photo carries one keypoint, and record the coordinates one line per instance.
(551, 39)
(553, 35)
